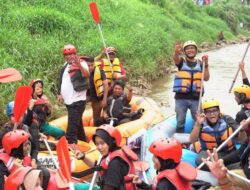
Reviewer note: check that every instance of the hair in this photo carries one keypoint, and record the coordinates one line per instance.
(167, 164)
(120, 83)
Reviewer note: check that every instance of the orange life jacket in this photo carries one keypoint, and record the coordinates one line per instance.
(188, 79)
(212, 137)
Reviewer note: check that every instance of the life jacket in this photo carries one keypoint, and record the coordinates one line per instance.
(8, 161)
(180, 176)
(98, 82)
(188, 79)
(15, 181)
(117, 106)
(212, 137)
(79, 82)
(128, 156)
(115, 67)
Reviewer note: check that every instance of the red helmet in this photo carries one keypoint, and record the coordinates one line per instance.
(167, 149)
(14, 139)
(69, 49)
(113, 132)
(35, 81)
(110, 50)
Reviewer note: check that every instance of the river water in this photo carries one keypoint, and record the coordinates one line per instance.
(223, 65)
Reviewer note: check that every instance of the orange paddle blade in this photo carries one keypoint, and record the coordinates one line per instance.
(63, 157)
(9, 75)
(22, 98)
(94, 12)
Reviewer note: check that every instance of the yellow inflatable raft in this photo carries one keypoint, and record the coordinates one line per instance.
(151, 115)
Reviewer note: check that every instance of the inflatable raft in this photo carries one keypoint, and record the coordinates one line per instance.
(151, 116)
(164, 129)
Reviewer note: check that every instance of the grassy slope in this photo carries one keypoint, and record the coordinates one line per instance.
(32, 33)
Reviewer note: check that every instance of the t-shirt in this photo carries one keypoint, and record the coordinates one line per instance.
(91, 91)
(189, 95)
(67, 91)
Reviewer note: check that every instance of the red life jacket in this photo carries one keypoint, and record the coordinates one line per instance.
(79, 82)
(180, 177)
(15, 180)
(128, 156)
(8, 161)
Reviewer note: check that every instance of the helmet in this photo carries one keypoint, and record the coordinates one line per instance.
(69, 49)
(189, 43)
(14, 139)
(113, 132)
(243, 91)
(10, 108)
(110, 50)
(35, 81)
(210, 104)
(168, 148)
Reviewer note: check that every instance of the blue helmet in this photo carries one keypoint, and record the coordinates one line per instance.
(10, 108)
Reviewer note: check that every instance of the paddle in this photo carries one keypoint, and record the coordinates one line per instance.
(64, 160)
(201, 91)
(21, 102)
(236, 75)
(95, 15)
(9, 75)
(225, 142)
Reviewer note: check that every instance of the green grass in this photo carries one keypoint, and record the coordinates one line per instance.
(33, 32)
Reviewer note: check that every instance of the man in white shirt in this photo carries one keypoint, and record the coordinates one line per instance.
(73, 85)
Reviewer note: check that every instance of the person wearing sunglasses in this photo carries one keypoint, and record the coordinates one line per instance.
(211, 129)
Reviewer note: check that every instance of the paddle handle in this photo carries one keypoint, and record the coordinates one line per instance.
(91, 186)
(238, 176)
(201, 89)
(224, 143)
(51, 154)
(236, 75)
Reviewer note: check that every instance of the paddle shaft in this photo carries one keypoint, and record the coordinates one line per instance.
(238, 176)
(51, 154)
(224, 143)
(236, 75)
(201, 89)
(144, 174)
(105, 46)
(95, 175)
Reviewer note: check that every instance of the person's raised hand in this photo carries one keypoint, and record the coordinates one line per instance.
(216, 166)
(200, 118)
(178, 47)
(205, 59)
